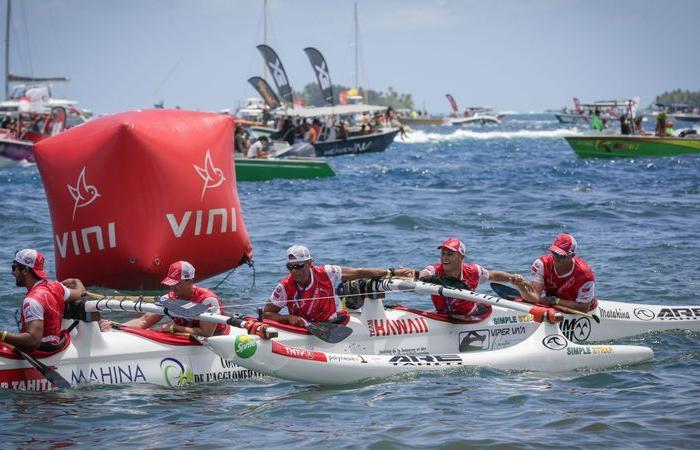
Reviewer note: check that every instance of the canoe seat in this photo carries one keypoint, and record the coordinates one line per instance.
(484, 314)
(39, 354)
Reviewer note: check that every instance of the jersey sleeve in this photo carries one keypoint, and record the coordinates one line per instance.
(430, 269)
(483, 274)
(537, 272)
(335, 273)
(213, 304)
(279, 296)
(32, 310)
(586, 292)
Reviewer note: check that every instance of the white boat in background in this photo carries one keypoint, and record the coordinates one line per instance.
(481, 115)
(29, 112)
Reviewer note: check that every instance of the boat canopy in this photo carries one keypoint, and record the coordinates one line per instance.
(329, 110)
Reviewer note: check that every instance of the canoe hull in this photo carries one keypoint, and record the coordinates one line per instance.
(545, 350)
(118, 357)
(613, 146)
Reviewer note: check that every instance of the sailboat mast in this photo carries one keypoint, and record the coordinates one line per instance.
(7, 49)
(265, 36)
(356, 47)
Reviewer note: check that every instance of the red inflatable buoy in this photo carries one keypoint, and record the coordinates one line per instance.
(133, 192)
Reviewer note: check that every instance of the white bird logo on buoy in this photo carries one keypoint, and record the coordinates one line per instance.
(212, 176)
(82, 193)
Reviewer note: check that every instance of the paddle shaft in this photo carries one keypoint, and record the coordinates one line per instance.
(390, 284)
(512, 293)
(141, 307)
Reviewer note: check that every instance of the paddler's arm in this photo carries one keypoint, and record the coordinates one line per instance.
(530, 291)
(27, 341)
(584, 298)
(503, 277)
(271, 312)
(75, 288)
(143, 322)
(353, 273)
(205, 329)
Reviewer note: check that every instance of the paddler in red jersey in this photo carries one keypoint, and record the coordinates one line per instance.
(43, 306)
(560, 278)
(180, 279)
(308, 291)
(452, 266)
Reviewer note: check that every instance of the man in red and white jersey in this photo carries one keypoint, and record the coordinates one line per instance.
(452, 265)
(43, 306)
(180, 279)
(560, 278)
(308, 291)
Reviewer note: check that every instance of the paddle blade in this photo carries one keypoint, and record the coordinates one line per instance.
(329, 332)
(48, 373)
(504, 291)
(184, 309)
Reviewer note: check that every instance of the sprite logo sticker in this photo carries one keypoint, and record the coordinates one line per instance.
(245, 346)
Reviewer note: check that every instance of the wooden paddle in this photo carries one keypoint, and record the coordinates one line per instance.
(510, 293)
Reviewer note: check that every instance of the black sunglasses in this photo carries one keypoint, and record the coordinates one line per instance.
(558, 256)
(16, 266)
(297, 266)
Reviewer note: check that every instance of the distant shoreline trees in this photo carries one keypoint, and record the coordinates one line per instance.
(312, 96)
(679, 96)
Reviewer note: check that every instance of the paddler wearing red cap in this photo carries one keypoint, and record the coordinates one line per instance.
(43, 306)
(180, 280)
(452, 266)
(560, 278)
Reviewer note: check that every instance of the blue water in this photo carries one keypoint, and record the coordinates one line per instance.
(506, 192)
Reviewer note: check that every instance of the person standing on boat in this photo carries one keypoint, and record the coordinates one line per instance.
(180, 279)
(43, 307)
(308, 291)
(596, 123)
(452, 265)
(560, 278)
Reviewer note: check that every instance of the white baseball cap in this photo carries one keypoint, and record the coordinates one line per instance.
(298, 253)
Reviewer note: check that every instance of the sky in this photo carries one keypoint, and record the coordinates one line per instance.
(516, 55)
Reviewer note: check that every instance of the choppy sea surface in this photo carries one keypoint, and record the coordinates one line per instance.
(506, 191)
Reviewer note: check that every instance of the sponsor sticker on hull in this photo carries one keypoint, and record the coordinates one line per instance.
(298, 353)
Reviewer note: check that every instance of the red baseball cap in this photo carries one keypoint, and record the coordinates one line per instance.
(179, 271)
(564, 244)
(455, 245)
(32, 259)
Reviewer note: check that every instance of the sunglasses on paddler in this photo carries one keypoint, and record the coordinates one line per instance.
(297, 266)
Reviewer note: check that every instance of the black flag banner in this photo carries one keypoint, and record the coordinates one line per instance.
(279, 76)
(318, 63)
(265, 92)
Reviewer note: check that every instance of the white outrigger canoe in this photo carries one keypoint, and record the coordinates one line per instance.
(121, 357)
(384, 342)
(391, 341)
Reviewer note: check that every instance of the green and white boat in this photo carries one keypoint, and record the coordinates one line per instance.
(293, 167)
(618, 145)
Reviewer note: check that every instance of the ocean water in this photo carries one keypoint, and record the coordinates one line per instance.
(506, 191)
